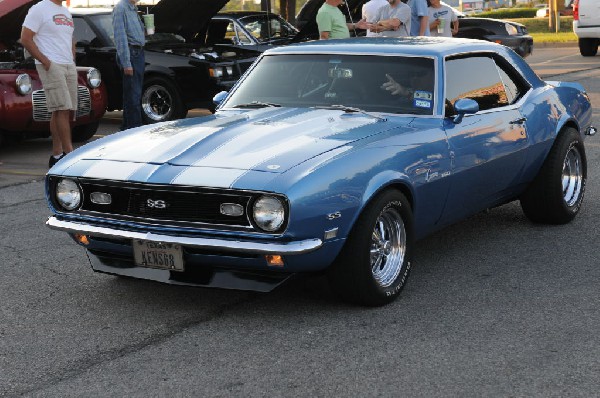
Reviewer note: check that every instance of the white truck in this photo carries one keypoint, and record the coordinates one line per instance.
(586, 25)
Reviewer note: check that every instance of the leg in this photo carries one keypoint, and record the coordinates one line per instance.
(63, 131)
(57, 148)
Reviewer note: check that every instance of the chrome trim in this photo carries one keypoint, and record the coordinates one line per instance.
(590, 131)
(40, 109)
(291, 248)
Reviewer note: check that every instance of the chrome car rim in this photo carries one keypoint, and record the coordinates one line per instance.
(157, 103)
(388, 246)
(572, 177)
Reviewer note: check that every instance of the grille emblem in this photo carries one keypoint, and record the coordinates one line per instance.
(156, 204)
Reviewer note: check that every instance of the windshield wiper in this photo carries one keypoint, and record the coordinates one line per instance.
(257, 104)
(349, 109)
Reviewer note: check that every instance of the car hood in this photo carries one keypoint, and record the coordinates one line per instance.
(269, 140)
(186, 18)
(12, 15)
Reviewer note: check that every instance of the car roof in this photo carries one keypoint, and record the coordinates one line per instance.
(423, 46)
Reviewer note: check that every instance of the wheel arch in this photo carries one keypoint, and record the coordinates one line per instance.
(384, 181)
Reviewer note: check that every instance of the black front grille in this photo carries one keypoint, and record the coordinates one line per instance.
(193, 206)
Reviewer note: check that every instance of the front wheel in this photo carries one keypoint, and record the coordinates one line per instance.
(161, 101)
(556, 194)
(376, 258)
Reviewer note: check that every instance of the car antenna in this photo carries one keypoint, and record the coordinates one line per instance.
(268, 19)
(350, 16)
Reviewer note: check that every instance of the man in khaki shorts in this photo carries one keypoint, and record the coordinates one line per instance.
(47, 34)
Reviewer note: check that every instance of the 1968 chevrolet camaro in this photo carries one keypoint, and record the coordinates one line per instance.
(328, 156)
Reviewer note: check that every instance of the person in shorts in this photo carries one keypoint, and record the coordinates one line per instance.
(47, 34)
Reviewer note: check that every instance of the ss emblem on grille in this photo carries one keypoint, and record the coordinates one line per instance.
(156, 204)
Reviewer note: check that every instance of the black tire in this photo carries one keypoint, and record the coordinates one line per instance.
(556, 194)
(161, 101)
(588, 47)
(359, 277)
(84, 132)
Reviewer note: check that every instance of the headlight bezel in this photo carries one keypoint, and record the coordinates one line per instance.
(23, 84)
(262, 225)
(64, 204)
(94, 78)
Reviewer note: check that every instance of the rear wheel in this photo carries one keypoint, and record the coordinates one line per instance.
(556, 194)
(161, 101)
(375, 261)
(588, 47)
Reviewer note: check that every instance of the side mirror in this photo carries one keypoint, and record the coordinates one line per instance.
(219, 97)
(464, 106)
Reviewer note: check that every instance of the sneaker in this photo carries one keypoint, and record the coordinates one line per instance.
(54, 160)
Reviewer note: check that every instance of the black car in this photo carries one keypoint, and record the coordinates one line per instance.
(182, 70)
(257, 30)
(511, 34)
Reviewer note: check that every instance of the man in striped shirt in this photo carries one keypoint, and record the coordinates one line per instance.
(129, 41)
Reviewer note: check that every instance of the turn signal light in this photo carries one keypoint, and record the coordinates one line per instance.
(274, 260)
(82, 239)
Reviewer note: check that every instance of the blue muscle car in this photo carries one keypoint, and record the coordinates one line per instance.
(328, 156)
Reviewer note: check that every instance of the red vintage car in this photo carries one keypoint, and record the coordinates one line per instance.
(23, 112)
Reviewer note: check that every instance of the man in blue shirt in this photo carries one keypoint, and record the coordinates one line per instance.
(129, 41)
(419, 23)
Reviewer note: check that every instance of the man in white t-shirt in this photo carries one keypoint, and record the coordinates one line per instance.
(369, 12)
(47, 35)
(441, 17)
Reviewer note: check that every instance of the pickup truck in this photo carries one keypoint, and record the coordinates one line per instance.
(586, 25)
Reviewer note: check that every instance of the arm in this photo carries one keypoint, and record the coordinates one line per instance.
(323, 35)
(362, 24)
(27, 42)
(454, 24)
(121, 42)
(423, 21)
(387, 24)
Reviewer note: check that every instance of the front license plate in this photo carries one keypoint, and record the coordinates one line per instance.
(158, 255)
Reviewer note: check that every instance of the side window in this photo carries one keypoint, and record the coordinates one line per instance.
(242, 37)
(515, 87)
(476, 78)
(83, 32)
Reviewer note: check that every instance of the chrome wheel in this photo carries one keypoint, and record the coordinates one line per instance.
(157, 103)
(388, 247)
(572, 176)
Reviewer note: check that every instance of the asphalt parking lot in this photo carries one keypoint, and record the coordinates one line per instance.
(495, 306)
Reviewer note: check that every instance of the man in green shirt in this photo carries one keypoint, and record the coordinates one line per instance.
(332, 22)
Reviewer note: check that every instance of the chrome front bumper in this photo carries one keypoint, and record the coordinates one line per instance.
(288, 248)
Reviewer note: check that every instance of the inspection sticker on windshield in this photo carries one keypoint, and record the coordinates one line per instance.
(421, 103)
(424, 95)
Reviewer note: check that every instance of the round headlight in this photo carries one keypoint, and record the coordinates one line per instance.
(68, 194)
(93, 78)
(23, 83)
(268, 213)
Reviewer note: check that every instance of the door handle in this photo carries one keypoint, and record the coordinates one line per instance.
(520, 120)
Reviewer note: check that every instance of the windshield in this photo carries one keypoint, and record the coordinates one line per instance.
(371, 83)
(266, 27)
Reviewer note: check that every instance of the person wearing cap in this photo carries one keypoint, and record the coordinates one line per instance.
(129, 41)
(332, 22)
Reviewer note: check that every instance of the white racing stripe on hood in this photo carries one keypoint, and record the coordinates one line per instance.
(108, 169)
(200, 176)
(243, 152)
